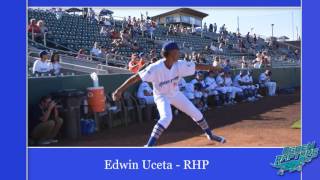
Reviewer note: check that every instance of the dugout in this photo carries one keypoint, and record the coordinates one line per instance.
(40, 86)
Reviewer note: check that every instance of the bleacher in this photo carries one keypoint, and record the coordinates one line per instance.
(74, 32)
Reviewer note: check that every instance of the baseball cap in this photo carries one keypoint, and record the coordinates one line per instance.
(170, 46)
(42, 53)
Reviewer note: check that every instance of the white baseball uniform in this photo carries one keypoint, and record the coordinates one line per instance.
(166, 90)
(265, 80)
(199, 94)
(211, 85)
(220, 83)
(186, 88)
(238, 79)
(144, 86)
(230, 88)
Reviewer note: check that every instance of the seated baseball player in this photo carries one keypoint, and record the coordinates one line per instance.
(265, 81)
(224, 94)
(165, 75)
(187, 89)
(145, 92)
(45, 123)
(240, 82)
(200, 89)
(199, 99)
(211, 85)
(234, 91)
(254, 87)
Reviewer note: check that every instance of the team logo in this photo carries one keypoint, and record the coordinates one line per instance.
(293, 158)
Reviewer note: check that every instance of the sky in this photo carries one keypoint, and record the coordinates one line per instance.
(287, 21)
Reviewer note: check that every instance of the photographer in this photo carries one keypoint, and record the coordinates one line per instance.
(45, 122)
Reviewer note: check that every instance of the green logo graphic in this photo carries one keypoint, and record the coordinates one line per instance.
(293, 158)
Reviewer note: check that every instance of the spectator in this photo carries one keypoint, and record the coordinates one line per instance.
(215, 27)
(227, 66)
(265, 81)
(45, 123)
(241, 45)
(210, 28)
(152, 54)
(214, 48)
(201, 59)
(265, 59)
(222, 29)
(135, 64)
(33, 27)
(81, 54)
(125, 37)
(254, 38)
(258, 61)
(42, 27)
(216, 62)
(143, 58)
(114, 34)
(104, 52)
(221, 47)
(107, 23)
(59, 13)
(193, 29)
(297, 55)
(248, 37)
(96, 51)
(55, 64)
(145, 92)
(143, 27)
(92, 15)
(151, 28)
(42, 65)
(205, 27)
(244, 64)
(153, 60)
(187, 57)
(171, 29)
(104, 31)
(135, 47)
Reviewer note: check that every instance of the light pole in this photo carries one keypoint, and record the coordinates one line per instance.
(272, 30)
(238, 28)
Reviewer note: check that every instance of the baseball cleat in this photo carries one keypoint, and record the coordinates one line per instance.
(219, 139)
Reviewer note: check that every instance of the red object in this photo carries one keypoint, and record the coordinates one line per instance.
(36, 28)
(135, 65)
(96, 99)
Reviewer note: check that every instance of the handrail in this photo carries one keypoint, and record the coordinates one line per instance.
(89, 57)
(76, 67)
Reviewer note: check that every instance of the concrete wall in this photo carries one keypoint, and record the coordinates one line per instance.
(37, 87)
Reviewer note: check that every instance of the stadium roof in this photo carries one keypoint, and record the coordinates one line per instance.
(183, 10)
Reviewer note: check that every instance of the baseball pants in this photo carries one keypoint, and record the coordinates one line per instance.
(272, 87)
(181, 102)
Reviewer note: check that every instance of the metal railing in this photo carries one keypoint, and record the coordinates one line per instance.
(111, 58)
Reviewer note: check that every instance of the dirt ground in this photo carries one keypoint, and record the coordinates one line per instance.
(264, 123)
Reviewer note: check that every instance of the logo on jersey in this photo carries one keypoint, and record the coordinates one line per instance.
(161, 84)
(144, 70)
(293, 158)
